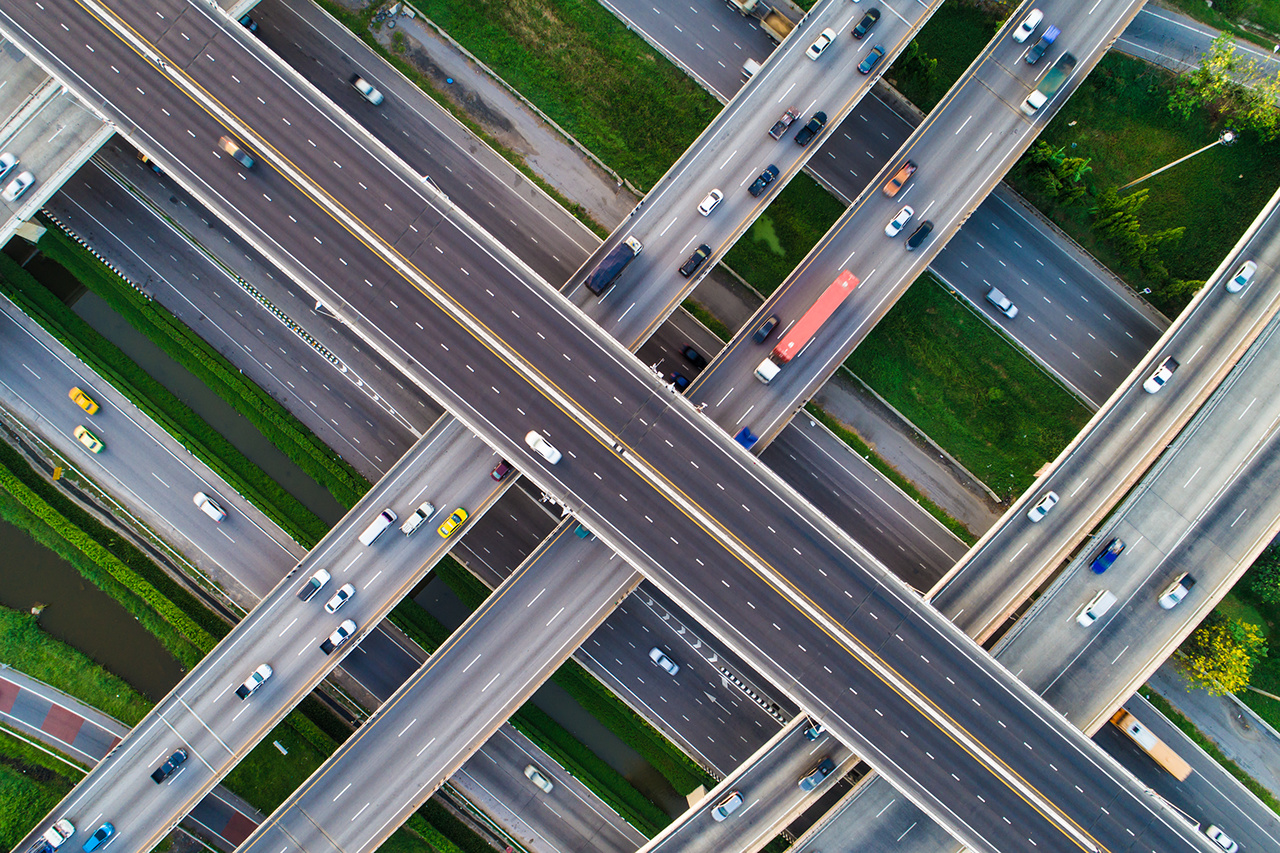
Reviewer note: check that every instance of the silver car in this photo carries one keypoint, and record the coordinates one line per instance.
(1003, 303)
(1040, 510)
(18, 186)
(664, 662)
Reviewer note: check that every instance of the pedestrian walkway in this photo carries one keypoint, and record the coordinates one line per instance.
(75, 729)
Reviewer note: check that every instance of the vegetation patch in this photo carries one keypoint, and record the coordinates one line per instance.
(1119, 121)
(28, 649)
(582, 66)
(941, 51)
(781, 237)
(940, 364)
(107, 559)
(31, 784)
(187, 348)
(1189, 729)
(1255, 20)
(890, 473)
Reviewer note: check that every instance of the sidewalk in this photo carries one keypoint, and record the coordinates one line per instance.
(1243, 738)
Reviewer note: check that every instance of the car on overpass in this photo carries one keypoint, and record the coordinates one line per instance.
(696, 260)
(1176, 591)
(1041, 509)
(825, 38)
(175, 761)
(1241, 279)
(313, 584)
(255, 680)
(1162, 375)
(873, 59)
(339, 636)
(1103, 561)
(730, 804)
(452, 523)
(542, 447)
(812, 129)
(236, 151)
(817, 775)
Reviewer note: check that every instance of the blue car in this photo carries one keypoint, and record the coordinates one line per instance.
(873, 59)
(99, 838)
(1103, 561)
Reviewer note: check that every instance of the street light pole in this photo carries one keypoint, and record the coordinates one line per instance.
(1225, 138)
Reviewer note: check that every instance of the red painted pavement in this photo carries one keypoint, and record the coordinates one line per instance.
(62, 724)
(8, 694)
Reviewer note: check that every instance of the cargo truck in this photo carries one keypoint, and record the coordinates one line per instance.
(1050, 85)
(776, 25)
(799, 335)
(54, 837)
(1151, 745)
(613, 265)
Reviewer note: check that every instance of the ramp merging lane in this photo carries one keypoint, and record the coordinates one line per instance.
(888, 670)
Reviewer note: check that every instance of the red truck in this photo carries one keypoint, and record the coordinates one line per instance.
(799, 335)
(780, 126)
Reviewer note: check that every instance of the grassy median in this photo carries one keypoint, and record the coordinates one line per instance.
(32, 782)
(939, 363)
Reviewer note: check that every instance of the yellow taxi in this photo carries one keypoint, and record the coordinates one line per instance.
(89, 440)
(452, 523)
(83, 400)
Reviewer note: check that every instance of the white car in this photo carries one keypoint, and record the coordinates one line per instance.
(730, 804)
(424, 511)
(1220, 838)
(1162, 375)
(339, 636)
(535, 776)
(18, 186)
(366, 90)
(339, 598)
(7, 161)
(209, 507)
(997, 298)
(899, 222)
(254, 681)
(815, 50)
(1176, 591)
(664, 662)
(709, 203)
(1028, 26)
(1240, 280)
(542, 447)
(1040, 510)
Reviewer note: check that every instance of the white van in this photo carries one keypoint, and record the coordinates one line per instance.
(385, 519)
(749, 68)
(1097, 607)
(209, 507)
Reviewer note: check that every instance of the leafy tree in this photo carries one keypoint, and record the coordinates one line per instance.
(1240, 90)
(1264, 575)
(1220, 654)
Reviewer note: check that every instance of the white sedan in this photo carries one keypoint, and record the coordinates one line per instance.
(899, 222)
(815, 50)
(542, 447)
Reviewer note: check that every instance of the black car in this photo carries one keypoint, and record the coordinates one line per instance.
(765, 329)
(918, 237)
(868, 21)
(696, 260)
(766, 177)
(810, 130)
(693, 357)
(174, 762)
(873, 59)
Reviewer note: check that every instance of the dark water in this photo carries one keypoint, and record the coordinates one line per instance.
(438, 600)
(81, 615)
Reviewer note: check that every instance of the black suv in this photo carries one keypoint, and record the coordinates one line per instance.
(766, 177)
(810, 130)
(174, 762)
(696, 260)
(921, 234)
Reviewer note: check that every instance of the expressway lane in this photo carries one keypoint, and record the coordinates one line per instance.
(708, 447)
(978, 123)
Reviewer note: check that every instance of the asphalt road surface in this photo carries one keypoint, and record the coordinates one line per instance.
(268, 202)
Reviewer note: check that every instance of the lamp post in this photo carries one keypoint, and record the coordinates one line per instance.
(1227, 137)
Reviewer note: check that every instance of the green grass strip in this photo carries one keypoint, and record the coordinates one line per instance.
(157, 611)
(890, 473)
(358, 24)
(606, 86)
(32, 783)
(187, 348)
(939, 363)
(1189, 729)
(706, 318)
(27, 648)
